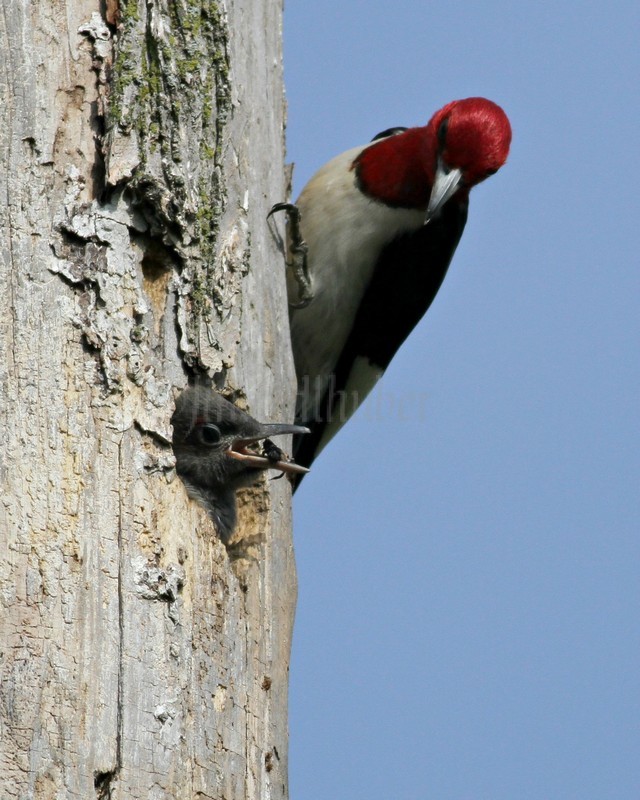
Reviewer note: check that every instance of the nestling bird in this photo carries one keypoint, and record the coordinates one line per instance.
(211, 437)
(369, 242)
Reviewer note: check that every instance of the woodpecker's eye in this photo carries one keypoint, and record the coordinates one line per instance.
(208, 434)
(442, 132)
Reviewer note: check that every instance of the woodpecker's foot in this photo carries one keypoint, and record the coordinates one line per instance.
(298, 250)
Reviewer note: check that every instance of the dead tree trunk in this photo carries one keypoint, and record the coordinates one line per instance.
(141, 146)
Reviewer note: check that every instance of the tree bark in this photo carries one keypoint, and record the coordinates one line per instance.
(141, 146)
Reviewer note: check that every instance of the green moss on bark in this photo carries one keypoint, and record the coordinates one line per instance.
(170, 87)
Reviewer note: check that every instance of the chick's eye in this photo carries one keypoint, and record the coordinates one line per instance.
(208, 433)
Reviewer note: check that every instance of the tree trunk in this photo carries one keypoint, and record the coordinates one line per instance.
(141, 147)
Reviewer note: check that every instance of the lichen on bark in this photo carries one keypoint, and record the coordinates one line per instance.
(169, 101)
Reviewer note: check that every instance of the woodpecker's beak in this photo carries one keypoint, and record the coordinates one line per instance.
(445, 185)
(239, 449)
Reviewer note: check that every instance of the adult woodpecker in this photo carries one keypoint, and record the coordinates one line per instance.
(211, 438)
(369, 242)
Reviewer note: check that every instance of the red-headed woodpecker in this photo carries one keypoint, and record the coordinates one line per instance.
(370, 240)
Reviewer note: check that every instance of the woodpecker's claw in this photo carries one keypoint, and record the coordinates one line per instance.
(298, 250)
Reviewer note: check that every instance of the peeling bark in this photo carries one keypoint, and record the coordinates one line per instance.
(141, 147)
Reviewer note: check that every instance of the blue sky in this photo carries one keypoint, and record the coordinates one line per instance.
(468, 547)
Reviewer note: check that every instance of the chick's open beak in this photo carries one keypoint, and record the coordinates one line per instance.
(239, 449)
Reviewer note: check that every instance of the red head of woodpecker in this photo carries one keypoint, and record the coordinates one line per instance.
(461, 145)
(370, 240)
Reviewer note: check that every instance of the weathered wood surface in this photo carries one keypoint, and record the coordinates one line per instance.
(138, 658)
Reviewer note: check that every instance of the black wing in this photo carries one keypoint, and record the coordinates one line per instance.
(389, 132)
(407, 277)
